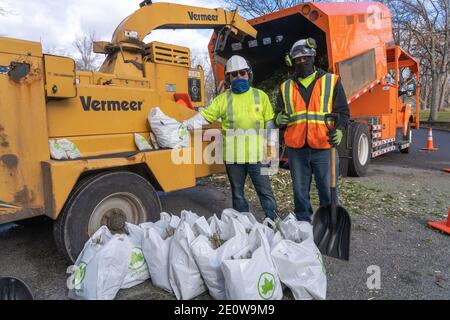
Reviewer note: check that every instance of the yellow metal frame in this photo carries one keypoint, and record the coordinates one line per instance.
(169, 54)
(98, 111)
(175, 16)
(60, 78)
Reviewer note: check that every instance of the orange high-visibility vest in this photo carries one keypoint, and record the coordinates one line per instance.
(308, 124)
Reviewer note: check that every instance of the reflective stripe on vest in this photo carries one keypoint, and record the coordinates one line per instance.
(297, 118)
(327, 92)
(286, 90)
(316, 117)
(230, 108)
(257, 102)
(302, 117)
(326, 100)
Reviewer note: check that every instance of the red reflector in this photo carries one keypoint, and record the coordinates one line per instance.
(314, 15)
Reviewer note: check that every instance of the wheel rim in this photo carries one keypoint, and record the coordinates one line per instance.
(363, 149)
(123, 204)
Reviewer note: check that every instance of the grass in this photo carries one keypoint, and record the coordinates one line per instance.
(442, 115)
(358, 196)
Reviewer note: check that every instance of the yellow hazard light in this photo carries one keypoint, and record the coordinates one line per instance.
(306, 10)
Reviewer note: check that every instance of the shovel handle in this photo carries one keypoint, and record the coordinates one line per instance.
(335, 118)
(333, 168)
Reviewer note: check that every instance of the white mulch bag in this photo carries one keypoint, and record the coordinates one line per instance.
(289, 229)
(189, 216)
(268, 232)
(141, 143)
(184, 276)
(221, 241)
(301, 268)
(299, 261)
(153, 141)
(70, 148)
(155, 246)
(247, 219)
(137, 269)
(100, 269)
(295, 230)
(56, 151)
(169, 132)
(251, 273)
(221, 227)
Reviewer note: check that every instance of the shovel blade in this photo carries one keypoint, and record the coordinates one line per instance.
(332, 240)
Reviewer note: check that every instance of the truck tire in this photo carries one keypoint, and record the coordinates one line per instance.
(58, 230)
(408, 137)
(95, 200)
(361, 150)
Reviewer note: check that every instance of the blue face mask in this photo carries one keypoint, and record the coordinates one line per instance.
(239, 86)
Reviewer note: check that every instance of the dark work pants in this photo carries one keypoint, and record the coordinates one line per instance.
(303, 163)
(237, 174)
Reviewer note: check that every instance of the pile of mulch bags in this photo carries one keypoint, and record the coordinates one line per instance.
(233, 257)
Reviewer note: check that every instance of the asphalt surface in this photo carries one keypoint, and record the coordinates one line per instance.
(422, 159)
(414, 260)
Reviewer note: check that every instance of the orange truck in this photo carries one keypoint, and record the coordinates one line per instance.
(355, 41)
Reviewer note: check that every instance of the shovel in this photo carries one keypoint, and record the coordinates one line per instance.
(332, 223)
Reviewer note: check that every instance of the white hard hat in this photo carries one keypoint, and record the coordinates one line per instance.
(236, 63)
(303, 48)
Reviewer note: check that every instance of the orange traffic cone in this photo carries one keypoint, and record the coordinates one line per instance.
(441, 225)
(430, 146)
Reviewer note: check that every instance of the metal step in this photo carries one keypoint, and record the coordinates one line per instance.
(383, 151)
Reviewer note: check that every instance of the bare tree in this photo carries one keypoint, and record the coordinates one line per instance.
(202, 59)
(423, 28)
(255, 8)
(87, 60)
(53, 50)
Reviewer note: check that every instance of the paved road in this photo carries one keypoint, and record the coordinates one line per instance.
(418, 158)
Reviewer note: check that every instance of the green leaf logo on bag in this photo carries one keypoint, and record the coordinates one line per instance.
(182, 132)
(79, 275)
(266, 285)
(137, 259)
(319, 257)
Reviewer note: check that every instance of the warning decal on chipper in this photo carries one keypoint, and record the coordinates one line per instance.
(109, 105)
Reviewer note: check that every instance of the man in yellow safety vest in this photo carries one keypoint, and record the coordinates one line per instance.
(244, 112)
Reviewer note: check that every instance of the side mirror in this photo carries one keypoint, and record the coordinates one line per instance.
(411, 90)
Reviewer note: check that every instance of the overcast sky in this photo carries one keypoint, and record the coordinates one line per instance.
(57, 23)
